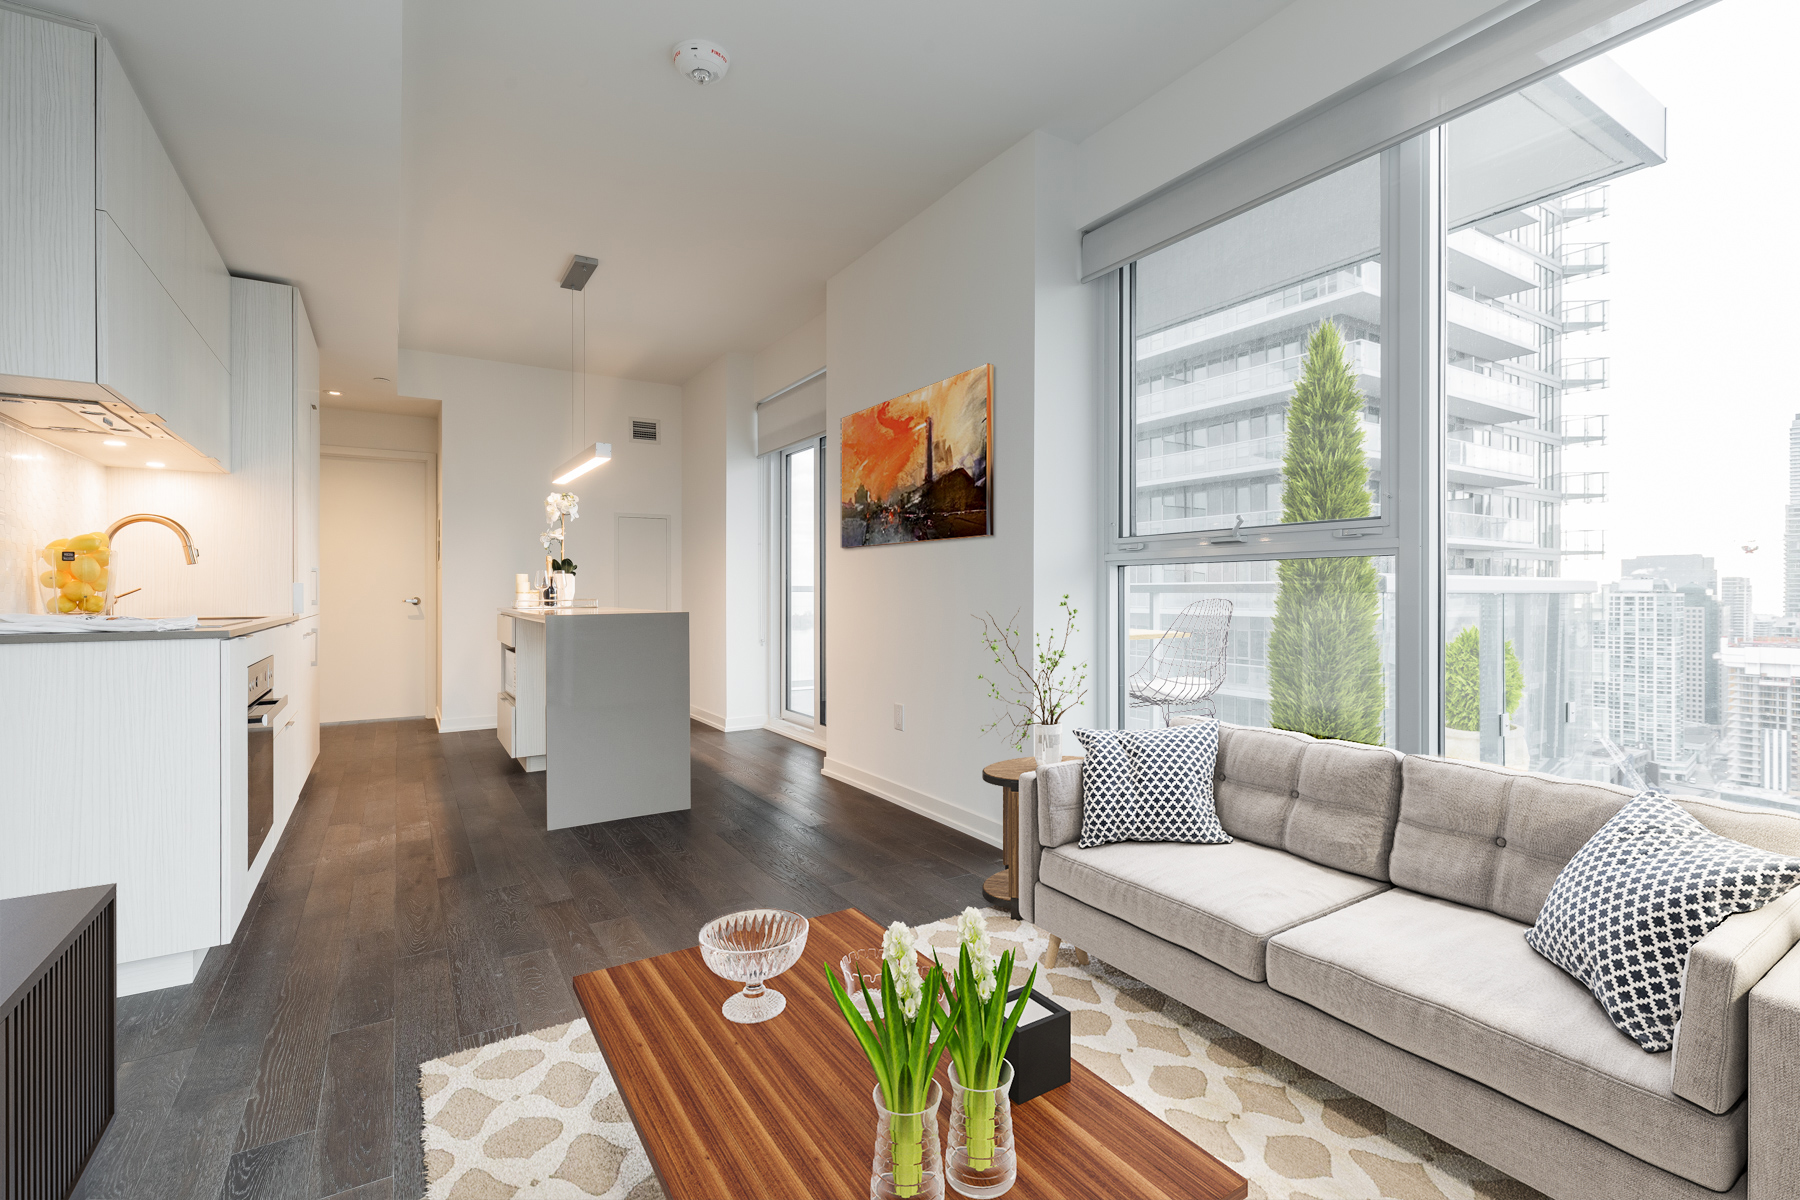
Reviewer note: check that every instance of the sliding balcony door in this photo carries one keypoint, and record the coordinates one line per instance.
(802, 508)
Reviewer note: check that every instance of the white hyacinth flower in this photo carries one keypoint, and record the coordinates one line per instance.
(899, 946)
(971, 928)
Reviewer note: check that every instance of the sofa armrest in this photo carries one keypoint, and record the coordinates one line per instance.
(1712, 1039)
(1775, 1082)
(1049, 815)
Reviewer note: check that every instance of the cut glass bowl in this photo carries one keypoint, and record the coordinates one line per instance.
(750, 947)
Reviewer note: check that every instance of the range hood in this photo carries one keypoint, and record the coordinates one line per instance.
(110, 432)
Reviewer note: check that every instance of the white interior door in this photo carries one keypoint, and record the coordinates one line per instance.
(641, 572)
(377, 600)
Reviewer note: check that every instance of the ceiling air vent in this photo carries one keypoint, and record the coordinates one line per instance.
(643, 431)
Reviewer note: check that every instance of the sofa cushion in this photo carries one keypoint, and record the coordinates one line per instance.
(1459, 987)
(1334, 803)
(1650, 884)
(1059, 791)
(1495, 838)
(1222, 902)
(1489, 837)
(1150, 785)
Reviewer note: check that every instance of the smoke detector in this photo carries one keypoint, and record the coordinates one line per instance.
(701, 61)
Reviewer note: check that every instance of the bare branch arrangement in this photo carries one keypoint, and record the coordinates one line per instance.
(1036, 685)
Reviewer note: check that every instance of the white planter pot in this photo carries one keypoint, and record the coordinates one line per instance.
(1462, 743)
(1046, 744)
(565, 588)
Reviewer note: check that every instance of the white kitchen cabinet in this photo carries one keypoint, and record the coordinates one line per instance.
(306, 464)
(46, 202)
(111, 290)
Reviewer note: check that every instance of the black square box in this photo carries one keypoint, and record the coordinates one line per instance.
(1039, 1052)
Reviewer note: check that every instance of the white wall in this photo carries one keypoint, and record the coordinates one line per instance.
(377, 430)
(792, 358)
(503, 429)
(1304, 54)
(45, 493)
(722, 552)
(985, 275)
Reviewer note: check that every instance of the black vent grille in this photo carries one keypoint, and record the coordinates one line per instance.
(644, 431)
(56, 1056)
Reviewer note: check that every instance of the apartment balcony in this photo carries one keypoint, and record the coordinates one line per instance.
(1485, 532)
(1247, 387)
(1583, 258)
(1582, 485)
(1579, 374)
(1490, 265)
(1234, 460)
(1583, 543)
(1582, 205)
(1488, 399)
(1487, 466)
(1583, 316)
(1488, 332)
(1352, 292)
(1583, 429)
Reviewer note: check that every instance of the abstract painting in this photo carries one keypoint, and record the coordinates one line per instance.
(915, 468)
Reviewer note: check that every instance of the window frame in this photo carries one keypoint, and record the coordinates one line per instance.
(782, 513)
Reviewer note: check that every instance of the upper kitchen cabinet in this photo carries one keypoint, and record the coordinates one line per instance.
(115, 307)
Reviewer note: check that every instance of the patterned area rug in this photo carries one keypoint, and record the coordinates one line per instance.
(538, 1115)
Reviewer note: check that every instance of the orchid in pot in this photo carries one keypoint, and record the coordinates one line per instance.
(976, 1023)
(908, 1163)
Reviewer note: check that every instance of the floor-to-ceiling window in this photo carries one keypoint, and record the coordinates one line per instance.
(1481, 439)
(802, 646)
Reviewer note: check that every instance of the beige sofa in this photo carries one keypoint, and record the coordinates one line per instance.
(1368, 923)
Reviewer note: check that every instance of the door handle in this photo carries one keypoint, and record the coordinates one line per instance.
(412, 600)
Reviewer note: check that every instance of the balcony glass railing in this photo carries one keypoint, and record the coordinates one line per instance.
(1363, 277)
(1502, 255)
(1458, 453)
(1475, 527)
(1464, 384)
(1278, 375)
(1252, 452)
(1494, 322)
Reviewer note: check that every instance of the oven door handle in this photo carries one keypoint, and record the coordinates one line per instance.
(264, 712)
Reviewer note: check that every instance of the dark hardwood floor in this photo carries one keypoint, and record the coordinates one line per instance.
(417, 906)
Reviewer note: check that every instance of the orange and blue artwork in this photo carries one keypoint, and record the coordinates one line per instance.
(915, 468)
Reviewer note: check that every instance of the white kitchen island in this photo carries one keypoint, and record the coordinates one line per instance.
(597, 698)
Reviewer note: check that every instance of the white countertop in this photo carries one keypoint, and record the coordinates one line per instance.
(538, 614)
(210, 627)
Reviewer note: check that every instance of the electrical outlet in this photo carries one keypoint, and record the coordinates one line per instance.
(900, 716)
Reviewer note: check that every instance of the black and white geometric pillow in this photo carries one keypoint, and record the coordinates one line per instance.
(1150, 785)
(1624, 913)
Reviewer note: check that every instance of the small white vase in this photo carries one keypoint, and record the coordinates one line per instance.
(565, 588)
(1046, 744)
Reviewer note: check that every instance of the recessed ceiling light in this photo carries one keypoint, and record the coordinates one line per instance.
(155, 465)
(112, 442)
(334, 393)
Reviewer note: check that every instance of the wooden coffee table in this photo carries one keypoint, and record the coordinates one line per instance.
(782, 1110)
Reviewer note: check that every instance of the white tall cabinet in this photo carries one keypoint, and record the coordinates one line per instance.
(111, 290)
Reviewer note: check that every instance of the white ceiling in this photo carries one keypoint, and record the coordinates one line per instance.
(424, 180)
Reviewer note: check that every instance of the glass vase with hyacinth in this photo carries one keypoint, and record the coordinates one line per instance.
(979, 1029)
(898, 1043)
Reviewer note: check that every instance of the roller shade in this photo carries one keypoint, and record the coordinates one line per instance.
(1533, 42)
(791, 415)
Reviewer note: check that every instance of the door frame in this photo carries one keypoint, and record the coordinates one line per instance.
(811, 730)
(434, 549)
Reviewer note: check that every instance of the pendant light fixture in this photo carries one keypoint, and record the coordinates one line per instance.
(591, 455)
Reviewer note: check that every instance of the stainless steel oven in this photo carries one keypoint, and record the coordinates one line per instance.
(264, 706)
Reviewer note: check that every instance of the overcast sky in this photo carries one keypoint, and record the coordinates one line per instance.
(1705, 254)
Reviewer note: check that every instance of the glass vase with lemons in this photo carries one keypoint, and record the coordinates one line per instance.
(76, 574)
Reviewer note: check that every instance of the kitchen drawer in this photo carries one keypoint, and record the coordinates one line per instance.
(504, 727)
(506, 631)
(509, 671)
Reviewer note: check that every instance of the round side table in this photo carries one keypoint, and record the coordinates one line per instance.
(1002, 887)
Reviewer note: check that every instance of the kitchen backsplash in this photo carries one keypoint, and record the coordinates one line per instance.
(45, 493)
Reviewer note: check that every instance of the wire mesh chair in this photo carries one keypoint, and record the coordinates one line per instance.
(1187, 663)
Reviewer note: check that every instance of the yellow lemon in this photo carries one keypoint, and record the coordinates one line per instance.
(66, 605)
(76, 590)
(86, 569)
(63, 578)
(104, 541)
(85, 542)
(103, 556)
(54, 550)
(48, 579)
(101, 583)
(93, 604)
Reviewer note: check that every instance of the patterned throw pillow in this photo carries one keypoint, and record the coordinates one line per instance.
(1624, 913)
(1151, 785)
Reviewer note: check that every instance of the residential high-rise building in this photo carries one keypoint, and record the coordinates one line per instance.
(1638, 697)
(1734, 598)
(1762, 684)
(1702, 673)
(1791, 564)
(1677, 570)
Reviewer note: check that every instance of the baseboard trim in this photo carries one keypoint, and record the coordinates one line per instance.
(797, 733)
(724, 724)
(465, 724)
(984, 828)
(164, 971)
